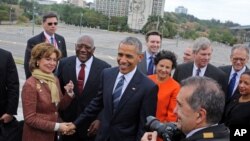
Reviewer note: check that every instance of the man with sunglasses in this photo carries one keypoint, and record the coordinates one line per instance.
(49, 24)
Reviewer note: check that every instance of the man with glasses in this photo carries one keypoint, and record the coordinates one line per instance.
(49, 24)
(84, 70)
(239, 58)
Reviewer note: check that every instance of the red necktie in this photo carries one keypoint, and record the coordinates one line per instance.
(80, 80)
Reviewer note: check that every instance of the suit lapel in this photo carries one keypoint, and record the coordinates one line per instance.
(144, 63)
(43, 38)
(228, 72)
(110, 89)
(189, 71)
(58, 42)
(130, 91)
(92, 74)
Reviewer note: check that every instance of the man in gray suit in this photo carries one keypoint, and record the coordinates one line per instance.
(239, 58)
(200, 66)
(153, 43)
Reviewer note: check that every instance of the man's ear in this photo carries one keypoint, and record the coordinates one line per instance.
(93, 49)
(141, 56)
(201, 115)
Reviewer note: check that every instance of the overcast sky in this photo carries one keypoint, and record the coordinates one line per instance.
(237, 11)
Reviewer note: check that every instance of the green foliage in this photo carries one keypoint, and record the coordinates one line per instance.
(171, 24)
(9, 1)
(4, 12)
(22, 19)
(189, 27)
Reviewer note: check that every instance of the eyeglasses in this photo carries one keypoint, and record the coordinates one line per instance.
(239, 59)
(50, 24)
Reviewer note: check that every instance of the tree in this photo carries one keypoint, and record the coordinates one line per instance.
(4, 13)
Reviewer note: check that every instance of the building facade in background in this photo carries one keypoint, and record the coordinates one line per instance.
(140, 10)
(181, 10)
(80, 3)
(118, 8)
(137, 11)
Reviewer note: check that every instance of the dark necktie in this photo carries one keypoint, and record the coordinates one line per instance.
(117, 93)
(231, 85)
(198, 72)
(80, 80)
(151, 66)
(52, 40)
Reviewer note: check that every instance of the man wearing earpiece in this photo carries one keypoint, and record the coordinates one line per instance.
(200, 105)
(50, 22)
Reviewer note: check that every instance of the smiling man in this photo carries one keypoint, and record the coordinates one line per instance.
(202, 50)
(84, 69)
(50, 22)
(239, 58)
(125, 95)
(153, 43)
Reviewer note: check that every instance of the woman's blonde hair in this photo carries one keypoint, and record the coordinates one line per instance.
(42, 50)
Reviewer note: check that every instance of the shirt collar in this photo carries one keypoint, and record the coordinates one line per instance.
(198, 129)
(238, 72)
(127, 76)
(87, 63)
(202, 69)
(149, 54)
(48, 36)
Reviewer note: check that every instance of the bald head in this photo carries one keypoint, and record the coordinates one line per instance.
(86, 40)
(188, 55)
(84, 48)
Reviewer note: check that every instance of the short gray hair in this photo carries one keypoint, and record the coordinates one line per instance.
(133, 41)
(208, 95)
(201, 43)
(241, 47)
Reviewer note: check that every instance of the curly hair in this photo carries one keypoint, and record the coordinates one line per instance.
(165, 54)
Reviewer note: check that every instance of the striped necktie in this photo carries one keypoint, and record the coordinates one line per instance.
(117, 93)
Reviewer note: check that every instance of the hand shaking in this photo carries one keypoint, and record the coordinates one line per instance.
(67, 128)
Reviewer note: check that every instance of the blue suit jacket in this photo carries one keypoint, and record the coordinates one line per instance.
(39, 39)
(127, 123)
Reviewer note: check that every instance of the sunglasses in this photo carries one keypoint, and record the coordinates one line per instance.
(50, 24)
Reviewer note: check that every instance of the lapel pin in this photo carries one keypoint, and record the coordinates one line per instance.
(133, 89)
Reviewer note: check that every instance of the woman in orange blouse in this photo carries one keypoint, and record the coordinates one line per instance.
(165, 62)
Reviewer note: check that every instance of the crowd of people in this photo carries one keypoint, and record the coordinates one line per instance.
(81, 97)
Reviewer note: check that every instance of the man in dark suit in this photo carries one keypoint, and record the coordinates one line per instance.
(153, 43)
(126, 96)
(200, 67)
(69, 69)
(239, 58)
(200, 106)
(50, 22)
(9, 96)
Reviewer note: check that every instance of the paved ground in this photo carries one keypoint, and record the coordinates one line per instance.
(14, 38)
